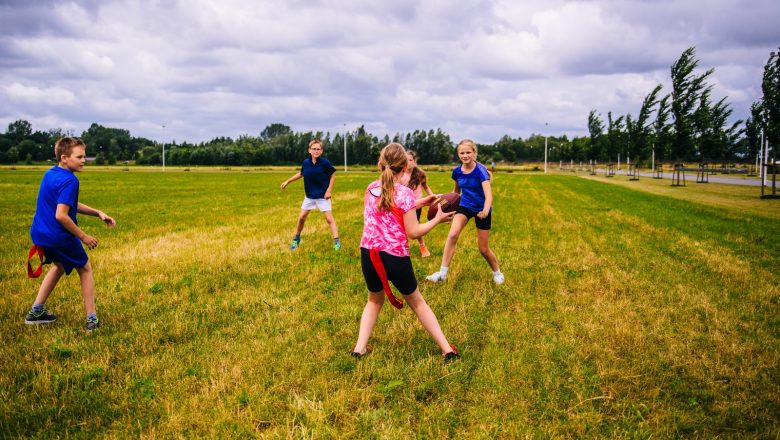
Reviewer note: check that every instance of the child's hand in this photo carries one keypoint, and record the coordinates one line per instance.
(109, 221)
(283, 185)
(444, 217)
(484, 213)
(427, 200)
(327, 195)
(89, 241)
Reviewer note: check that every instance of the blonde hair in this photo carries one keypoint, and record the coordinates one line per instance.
(315, 141)
(65, 145)
(468, 142)
(392, 161)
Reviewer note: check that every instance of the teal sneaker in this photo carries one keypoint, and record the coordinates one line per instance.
(42, 317)
(337, 246)
(92, 324)
(295, 243)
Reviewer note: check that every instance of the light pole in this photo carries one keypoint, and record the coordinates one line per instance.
(545, 148)
(345, 148)
(163, 149)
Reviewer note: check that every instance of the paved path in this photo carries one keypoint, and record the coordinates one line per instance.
(690, 177)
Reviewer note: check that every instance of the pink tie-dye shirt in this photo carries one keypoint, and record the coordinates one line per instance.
(383, 230)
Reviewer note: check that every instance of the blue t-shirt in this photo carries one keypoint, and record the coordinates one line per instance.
(58, 186)
(472, 195)
(316, 177)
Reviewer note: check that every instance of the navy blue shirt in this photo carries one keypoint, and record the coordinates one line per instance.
(472, 195)
(316, 177)
(58, 186)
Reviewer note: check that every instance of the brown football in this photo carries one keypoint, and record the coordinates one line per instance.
(448, 202)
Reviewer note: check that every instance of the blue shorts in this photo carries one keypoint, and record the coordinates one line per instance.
(71, 255)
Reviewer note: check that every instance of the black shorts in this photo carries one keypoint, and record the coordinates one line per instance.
(398, 269)
(481, 223)
(418, 212)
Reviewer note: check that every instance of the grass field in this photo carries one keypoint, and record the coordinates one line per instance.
(625, 314)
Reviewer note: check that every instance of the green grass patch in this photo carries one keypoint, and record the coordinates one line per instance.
(625, 313)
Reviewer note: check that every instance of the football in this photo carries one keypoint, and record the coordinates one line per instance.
(448, 202)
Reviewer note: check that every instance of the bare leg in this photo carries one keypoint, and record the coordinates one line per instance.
(368, 320)
(87, 287)
(428, 320)
(483, 237)
(458, 223)
(334, 230)
(49, 282)
(301, 221)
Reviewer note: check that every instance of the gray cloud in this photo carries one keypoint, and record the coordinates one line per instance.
(479, 69)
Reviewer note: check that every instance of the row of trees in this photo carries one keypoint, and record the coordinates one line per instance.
(687, 124)
(276, 144)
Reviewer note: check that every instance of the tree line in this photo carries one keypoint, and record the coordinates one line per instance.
(686, 124)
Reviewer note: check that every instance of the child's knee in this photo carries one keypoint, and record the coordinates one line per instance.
(86, 269)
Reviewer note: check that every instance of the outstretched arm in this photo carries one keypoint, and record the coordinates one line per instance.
(86, 210)
(414, 229)
(295, 177)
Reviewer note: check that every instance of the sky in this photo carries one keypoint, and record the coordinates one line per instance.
(194, 70)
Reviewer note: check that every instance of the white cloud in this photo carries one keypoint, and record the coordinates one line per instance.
(479, 68)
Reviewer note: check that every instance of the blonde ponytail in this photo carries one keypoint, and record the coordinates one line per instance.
(392, 161)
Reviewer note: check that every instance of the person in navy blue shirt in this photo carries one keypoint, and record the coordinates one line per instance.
(55, 229)
(472, 181)
(318, 177)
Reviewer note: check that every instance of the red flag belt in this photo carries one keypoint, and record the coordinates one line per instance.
(380, 270)
(35, 249)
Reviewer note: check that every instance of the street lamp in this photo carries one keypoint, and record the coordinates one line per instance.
(545, 148)
(345, 147)
(163, 149)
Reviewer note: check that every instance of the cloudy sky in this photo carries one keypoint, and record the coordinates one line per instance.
(474, 68)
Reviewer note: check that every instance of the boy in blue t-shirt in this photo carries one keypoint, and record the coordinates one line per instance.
(318, 177)
(55, 229)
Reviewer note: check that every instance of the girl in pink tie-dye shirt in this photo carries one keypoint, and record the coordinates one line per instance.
(389, 218)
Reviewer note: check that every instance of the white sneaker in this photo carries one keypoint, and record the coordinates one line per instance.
(436, 277)
(498, 278)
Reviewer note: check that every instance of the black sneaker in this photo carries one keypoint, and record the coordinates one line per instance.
(42, 317)
(92, 324)
(454, 355)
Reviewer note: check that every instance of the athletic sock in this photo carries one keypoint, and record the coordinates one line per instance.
(37, 308)
(443, 270)
(497, 272)
(336, 240)
(297, 237)
(92, 316)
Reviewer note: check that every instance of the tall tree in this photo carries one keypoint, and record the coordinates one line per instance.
(771, 102)
(641, 138)
(273, 130)
(596, 130)
(686, 90)
(662, 130)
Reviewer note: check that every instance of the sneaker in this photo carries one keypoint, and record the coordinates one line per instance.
(436, 277)
(454, 355)
(295, 243)
(424, 251)
(498, 278)
(92, 324)
(337, 246)
(42, 317)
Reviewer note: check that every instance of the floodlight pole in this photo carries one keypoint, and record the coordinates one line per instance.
(345, 148)
(163, 149)
(545, 148)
